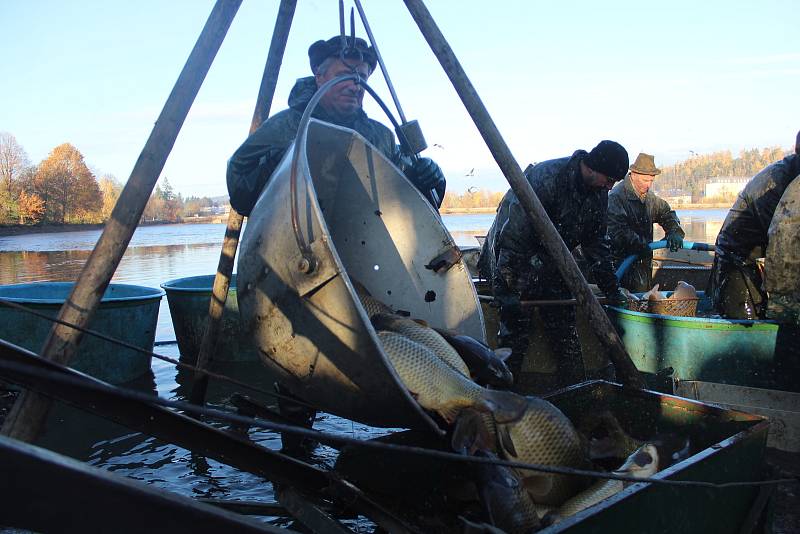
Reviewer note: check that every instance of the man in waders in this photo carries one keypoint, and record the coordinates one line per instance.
(632, 210)
(574, 193)
(737, 284)
(253, 163)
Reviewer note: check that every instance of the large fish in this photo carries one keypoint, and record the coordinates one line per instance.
(370, 304)
(543, 435)
(438, 388)
(485, 366)
(505, 498)
(643, 463)
(423, 335)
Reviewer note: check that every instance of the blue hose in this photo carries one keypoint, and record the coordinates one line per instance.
(689, 245)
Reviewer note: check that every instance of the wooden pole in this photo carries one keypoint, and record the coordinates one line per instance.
(626, 370)
(222, 280)
(27, 416)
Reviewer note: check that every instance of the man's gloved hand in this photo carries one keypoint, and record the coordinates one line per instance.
(675, 241)
(425, 174)
(617, 298)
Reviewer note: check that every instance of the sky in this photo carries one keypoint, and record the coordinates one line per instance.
(666, 78)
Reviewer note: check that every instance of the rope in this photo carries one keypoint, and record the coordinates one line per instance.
(335, 440)
(152, 354)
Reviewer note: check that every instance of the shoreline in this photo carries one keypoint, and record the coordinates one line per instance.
(15, 230)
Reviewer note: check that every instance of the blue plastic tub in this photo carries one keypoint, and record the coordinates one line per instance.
(126, 312)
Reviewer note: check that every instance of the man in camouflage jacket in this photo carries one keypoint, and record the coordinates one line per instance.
(253, 163)
(737, 286)
(574, 193)
(632, 210)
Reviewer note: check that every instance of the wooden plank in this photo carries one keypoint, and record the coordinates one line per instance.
(39, 493)
(27, 416)
(222, 280)
(558, 251)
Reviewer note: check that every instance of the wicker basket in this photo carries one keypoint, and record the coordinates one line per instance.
(675, 307)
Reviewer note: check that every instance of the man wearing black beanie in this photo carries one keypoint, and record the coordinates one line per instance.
(574, 193)
(253, 163)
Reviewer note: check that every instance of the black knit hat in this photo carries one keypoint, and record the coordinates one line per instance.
(609, 158)
(322, 50)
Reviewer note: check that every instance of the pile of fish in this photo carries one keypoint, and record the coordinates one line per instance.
(457, 378)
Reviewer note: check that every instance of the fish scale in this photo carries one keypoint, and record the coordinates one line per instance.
(439, 388)
(543, 435)
(427, 337)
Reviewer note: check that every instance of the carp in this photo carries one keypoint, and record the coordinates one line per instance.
(486, 367)
(370, 304)
(507, 503)
(437, 387)
(543, 435)
(423, 335)
(643, 463)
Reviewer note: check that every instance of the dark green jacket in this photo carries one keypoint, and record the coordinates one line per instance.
(577, 212)
(630, 228)
(254, 162)
(743, 236)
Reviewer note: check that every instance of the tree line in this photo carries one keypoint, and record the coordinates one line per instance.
(692, 174)
(61, 189)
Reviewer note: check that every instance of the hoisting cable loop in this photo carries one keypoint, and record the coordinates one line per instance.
(178, 363)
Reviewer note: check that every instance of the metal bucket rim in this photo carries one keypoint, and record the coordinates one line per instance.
(170, 285)
(148, 293)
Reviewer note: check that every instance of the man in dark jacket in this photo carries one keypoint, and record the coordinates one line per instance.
(737, 285)
(574, 193)
(632, 210)
(254, 162)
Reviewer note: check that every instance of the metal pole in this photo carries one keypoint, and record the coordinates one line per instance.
(380, 60)
(219, 294)
(26, 418)
(553, 243)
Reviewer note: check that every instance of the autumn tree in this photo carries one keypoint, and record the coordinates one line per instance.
(13, 160)
(13, 163)
(31, 208)
(110, 189)
(67, 187)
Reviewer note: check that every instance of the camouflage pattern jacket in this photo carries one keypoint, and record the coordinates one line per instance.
(577, 212)
(743, 236)
(254, 162)
(630, 229)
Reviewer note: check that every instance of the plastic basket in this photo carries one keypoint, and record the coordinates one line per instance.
(676, 307)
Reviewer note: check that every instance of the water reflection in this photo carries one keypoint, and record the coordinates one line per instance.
(158, 254)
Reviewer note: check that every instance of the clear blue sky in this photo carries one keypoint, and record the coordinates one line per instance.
(662, 77)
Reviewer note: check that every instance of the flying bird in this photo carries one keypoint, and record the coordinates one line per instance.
(438, 145)
(471, 172)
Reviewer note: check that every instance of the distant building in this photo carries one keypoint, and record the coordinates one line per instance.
(675, 196)
(725, 186)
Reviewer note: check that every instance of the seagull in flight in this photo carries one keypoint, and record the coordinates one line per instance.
(471, 172)
(438, 145)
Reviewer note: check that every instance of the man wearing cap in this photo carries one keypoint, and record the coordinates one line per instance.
(737, 285)
(253, 163)
(574, 193)
(632, 210)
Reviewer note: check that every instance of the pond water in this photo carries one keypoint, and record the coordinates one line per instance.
(157, 254)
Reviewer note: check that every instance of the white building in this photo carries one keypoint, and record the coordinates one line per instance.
(725, 186)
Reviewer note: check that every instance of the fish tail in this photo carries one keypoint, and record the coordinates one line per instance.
(505, 406)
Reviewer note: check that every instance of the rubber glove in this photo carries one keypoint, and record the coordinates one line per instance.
(425, 174)
(675, 241)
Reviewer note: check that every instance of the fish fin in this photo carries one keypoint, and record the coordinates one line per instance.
(422, 322)
(471, 433)
(505, 441)
(503, 353)
(506, 406)
(382, 321)
(538, 485)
